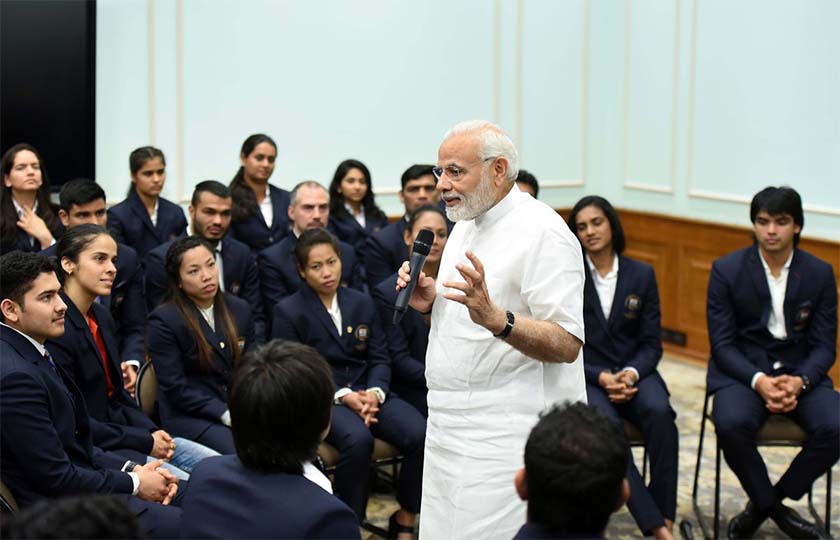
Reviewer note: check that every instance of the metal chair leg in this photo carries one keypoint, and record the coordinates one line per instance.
(717, 492)
(697, 512)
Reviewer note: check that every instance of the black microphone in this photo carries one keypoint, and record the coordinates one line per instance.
(422, 246)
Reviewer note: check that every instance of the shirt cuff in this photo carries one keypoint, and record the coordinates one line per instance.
(755, 379)
(378, 392)
(634, 371)
(133, 363)
(226, 418)
(340, 394)
(135, 480)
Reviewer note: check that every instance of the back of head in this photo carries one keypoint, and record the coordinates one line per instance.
(79, 192)
(529, 180)
(19, 270)
(575, 464)
(91, 516)
(493, 142)
(280, 406)
(776, 201)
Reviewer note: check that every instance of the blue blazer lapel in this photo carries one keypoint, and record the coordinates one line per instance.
(215, 339)
(759, 279)
(618, 298)
(314, 303)
(792, 292)
(591, 297)
(79, 321)
(278, 211)
(140, 211)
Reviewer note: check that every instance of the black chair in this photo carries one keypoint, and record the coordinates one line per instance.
(778, 430)
(146, 389)
(8, 505)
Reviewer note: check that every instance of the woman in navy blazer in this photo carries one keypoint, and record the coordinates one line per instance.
(194, 341)
(89, 353)
(27, 222)
(407, 341)
(353, 212)
(251, 223)
(145, 220)
(622, 349)
(343, 325)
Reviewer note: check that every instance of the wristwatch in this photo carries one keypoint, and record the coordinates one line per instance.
(806, 383)
(508, 327)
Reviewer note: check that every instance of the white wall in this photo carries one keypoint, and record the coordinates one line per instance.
(678, 107)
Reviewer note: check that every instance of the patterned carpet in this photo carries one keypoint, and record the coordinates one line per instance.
(687, 383)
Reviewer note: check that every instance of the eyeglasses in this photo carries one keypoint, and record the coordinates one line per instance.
(453, 171)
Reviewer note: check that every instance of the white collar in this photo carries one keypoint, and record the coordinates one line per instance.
(39, 346)
(19, 209)
(500, 209)
(785, 267)
(349, 208)
(613, 271)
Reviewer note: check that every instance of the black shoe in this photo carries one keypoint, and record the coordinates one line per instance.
(395, 527)
(794, 525)
(746, 523)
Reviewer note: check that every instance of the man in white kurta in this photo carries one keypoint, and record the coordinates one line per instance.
(485, 395)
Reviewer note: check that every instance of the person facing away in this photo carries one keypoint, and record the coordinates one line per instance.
(573, 478)
(46, 449)
(384, 249)
(27, 222)
(622, 350)
(145, 220)
(772, 316)
(506, 334)
(280, 407)
(210, 213)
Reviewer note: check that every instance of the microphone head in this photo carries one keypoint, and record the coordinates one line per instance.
(423, 242)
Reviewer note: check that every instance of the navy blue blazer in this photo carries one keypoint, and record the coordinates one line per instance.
(116, 422)
(535, 531)
(359, 356)
(255, 232)
(130, 223)
(407, 341)
(191, 399)
(226, 499)
(45, 441)
(125, 303)
(632, 336)
(347, 229)
(738, 308)
(240, 278)
(22, 241)
(385, 251)
(279, 275)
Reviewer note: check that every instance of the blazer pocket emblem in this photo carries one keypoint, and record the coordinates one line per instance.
(802, 317)
(361, 334)
(116, 300)
(235, 287)
(632, 305)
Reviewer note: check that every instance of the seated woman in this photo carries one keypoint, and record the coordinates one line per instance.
(280, 405)
(145, 220)
(89, 353)
(622, 349)
(342, 324)
(407, 341)
(194, 340)
(27, 222)
(260, 215)
(353, 212)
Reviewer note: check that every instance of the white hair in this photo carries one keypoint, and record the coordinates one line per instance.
(494, 142)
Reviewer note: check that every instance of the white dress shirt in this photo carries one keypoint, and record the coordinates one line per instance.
(19, 211)
(604, 286)
(484, 395)
(360, 217)
(220, 266)
(778, 288)
(266, 209)
(154, 214)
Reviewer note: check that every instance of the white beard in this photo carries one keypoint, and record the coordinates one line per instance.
(474, 204)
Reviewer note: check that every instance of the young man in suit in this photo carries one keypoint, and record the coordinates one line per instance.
(44, 430)
(385, 249)
(83, 201)
(280, 406)
(772, 316)
(210, 214)
(573, 479)
(309, 208)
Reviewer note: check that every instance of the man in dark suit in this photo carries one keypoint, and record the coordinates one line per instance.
(44, 431)
(309, 208)
(385, 249)
(83, 201)
(772, 316)
(210, 214)
(573, 479)
(280, 405)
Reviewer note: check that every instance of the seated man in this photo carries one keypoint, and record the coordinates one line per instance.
(45, 440)
(210, 214)
(309, 208)
(573, 479)
(772, 316)
(280, 406)
(385, 249)
(83, 201)
(527, 182)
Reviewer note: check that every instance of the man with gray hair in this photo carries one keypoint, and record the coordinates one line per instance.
(506, 334)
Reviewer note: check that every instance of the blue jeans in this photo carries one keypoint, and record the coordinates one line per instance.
(187, 455)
